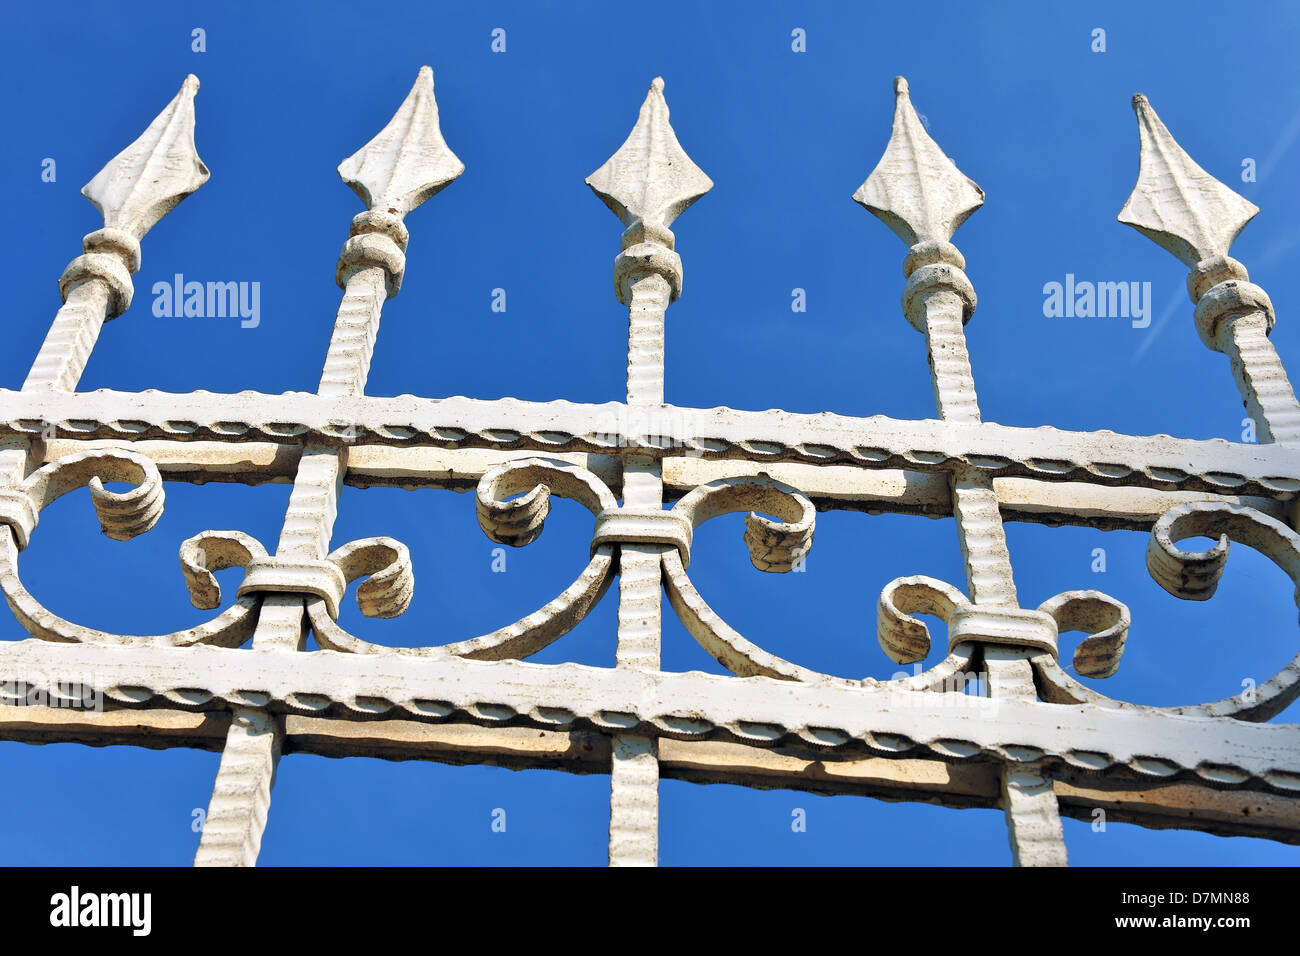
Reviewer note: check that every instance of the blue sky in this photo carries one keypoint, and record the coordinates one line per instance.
(1012, 92)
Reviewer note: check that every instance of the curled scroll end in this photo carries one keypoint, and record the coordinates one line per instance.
(778, 546)
(904, 638)
(775, 544)
(1101, 616)
(516, 522)
(391, 583)
(1190, 575)
(125, 514)
(211, 551)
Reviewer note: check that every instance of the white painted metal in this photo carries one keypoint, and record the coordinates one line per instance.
(1040, 745)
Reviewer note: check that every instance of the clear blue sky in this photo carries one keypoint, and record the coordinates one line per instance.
(1013, 92)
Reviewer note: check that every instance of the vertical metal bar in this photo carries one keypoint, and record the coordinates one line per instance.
(648, 182)
(1262, 380)
(1184, 209)
(1033, 816)
(634, 775)
(921, 194)
(242, 792)
(133, 192)
(399, 169)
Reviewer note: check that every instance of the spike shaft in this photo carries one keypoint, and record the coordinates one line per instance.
(397, 171)
(921, 195)
(647, 183)
(1262, 381)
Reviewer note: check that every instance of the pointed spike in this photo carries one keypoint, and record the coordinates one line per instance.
(915, 189)
(1176, 203)
(146, 180)
(408, 161)
(650, 178)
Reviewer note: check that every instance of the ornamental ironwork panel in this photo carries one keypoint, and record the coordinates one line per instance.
(1027, 736)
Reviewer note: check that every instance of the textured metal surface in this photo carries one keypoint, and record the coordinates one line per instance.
(1039, 744)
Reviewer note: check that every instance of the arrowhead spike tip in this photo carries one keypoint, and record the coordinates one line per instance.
(408, 161)
(146, 180)
(915, 189)
(1176, 203)
(650, 178)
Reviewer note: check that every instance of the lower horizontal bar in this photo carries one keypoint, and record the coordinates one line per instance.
(833, 716)
(1188, 806)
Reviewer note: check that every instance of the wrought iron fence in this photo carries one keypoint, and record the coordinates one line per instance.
(1028, 738)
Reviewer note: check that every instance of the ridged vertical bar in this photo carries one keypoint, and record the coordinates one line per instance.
(923, 197)
(989, 577)
(634, 802)
(394, 173)
(236, 817)
(1184, 209)
(950, 370)
(639, 598)
(1263, 381)
(647, 183)
(356, 328)
(72, 336)
(242, 792)
(1033, 818)
(133, 192)
(634, 772)
(1028, 799)
(645, 340)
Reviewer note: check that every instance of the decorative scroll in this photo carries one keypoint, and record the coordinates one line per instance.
(515, 522)
(1194, 576)
(122, 516)
(1037, 726)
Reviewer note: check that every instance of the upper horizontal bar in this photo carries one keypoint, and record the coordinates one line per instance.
(1046, 453)
(829, 487)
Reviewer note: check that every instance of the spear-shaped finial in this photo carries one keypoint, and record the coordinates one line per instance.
(137, 188)
(915, 189)
(648, 183)
(1176, 203)
(408, 161)
(1183, 208)
(405, 164)
(650, 179)
(146, 180)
